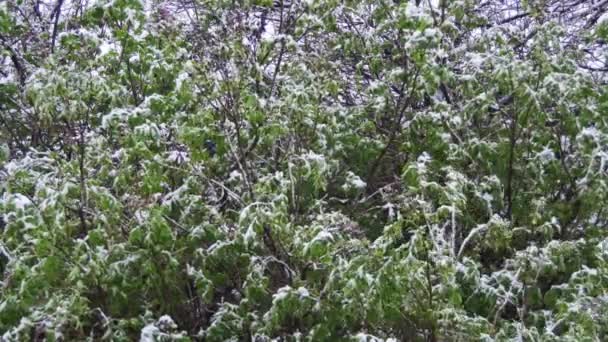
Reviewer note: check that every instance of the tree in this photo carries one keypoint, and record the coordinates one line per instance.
(303, 170)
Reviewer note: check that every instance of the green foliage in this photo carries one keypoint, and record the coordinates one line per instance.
(303, 171)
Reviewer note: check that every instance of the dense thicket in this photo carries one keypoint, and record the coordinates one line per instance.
(316, 170)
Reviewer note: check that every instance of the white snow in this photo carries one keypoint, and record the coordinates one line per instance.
(363, 337)
(603, 20)
(107, 47)
(179, 80)
(303, 292)
(546, 155)
(476, 60)
(21, 201)
(178, 157)
(487, 197)
(149, 333)
(134, 59)
(281, 294)
(353, 182)
(390, 207)
(235, 176)
(166, 321)
(18, 200)
(590, 132)
(423, 159)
